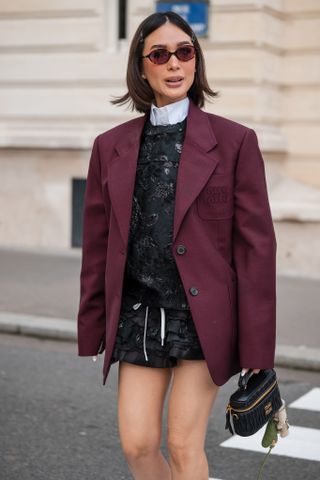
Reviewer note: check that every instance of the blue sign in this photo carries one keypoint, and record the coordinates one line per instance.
(195, 13)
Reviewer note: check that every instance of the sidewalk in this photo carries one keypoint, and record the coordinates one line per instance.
(39, 296)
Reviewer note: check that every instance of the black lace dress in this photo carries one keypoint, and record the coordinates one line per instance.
(155, 326)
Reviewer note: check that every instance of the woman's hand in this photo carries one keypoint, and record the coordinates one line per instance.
(245, 370)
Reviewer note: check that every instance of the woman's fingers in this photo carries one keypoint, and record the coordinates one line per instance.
(245, 370)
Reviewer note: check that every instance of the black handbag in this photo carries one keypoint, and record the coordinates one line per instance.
(255, 401)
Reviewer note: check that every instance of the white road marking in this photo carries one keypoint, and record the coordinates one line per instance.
(301, 443)
(309, 401)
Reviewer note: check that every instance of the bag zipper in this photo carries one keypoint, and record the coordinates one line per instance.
(240, 410)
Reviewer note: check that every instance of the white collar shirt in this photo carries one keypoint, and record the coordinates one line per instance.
(169, 114)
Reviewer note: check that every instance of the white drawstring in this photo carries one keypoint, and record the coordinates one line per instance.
(145, 334)
(163, 324)
(162, 328)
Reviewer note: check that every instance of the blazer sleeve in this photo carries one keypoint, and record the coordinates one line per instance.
(91, 315)
(254, 256)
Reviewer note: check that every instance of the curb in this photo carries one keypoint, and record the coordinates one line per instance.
(298, 357)
(43, 251)
(37, 326)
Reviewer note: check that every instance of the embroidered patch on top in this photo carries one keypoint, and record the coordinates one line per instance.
(215, 202)
(216, 195)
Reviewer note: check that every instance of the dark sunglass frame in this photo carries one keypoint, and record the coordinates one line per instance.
(168, 54)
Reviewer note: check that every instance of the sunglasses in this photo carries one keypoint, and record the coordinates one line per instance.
(162, 55)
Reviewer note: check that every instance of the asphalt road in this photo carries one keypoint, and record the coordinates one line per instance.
(58, 422)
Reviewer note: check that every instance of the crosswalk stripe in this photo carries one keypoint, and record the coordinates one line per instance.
(309, 401)
(301, 443)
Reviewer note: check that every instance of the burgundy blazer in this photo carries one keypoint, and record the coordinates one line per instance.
(222, 217)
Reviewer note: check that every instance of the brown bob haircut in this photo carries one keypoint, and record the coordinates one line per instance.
(139, 94)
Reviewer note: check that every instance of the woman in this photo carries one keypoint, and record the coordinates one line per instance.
(178, 269)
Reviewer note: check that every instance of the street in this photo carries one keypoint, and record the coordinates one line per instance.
(58, 422)
(47, 284)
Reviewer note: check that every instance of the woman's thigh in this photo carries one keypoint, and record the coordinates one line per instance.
(141, 396)
(191, 399)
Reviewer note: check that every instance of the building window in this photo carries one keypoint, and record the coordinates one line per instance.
(122, 17)
(78, 189)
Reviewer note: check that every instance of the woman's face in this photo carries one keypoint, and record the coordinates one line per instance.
(168, 36)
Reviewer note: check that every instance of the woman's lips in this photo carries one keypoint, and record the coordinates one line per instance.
(174, 84)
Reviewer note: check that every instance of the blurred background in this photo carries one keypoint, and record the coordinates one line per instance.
(61, 63)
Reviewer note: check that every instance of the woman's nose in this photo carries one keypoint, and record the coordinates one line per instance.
(173, 61)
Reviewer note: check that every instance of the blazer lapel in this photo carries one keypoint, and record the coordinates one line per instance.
(197, 162)
(122, 173)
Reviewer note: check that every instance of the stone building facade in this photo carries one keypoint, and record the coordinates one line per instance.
(61, 62)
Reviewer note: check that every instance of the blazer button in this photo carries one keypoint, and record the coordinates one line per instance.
(181, 249)
(194, 291)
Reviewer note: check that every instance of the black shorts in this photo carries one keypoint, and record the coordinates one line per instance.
(155, 337)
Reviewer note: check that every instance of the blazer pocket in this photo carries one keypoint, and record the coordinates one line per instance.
(215, 202)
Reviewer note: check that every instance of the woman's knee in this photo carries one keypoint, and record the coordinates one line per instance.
(182, 452)
(139, 448)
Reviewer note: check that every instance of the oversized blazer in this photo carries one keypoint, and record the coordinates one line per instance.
(222, 219)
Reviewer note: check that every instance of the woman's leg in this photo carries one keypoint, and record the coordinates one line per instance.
(141, 395)
(190, 402)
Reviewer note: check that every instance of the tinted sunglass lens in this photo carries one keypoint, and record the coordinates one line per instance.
(159, 56)
(185, 53)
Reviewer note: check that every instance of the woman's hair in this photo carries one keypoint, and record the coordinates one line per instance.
(140, 94)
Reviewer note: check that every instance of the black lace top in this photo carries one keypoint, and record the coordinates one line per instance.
(151, 275)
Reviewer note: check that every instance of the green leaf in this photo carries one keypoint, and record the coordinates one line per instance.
(270, 436)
